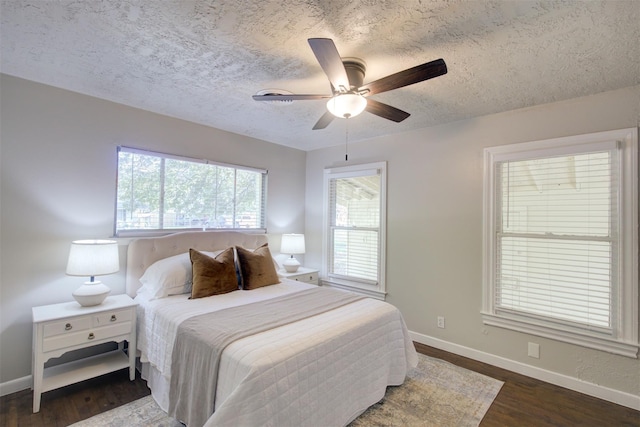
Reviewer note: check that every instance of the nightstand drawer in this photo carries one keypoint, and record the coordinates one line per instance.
(86, 336)
(68, 326)
(112, 317)
(306, 277)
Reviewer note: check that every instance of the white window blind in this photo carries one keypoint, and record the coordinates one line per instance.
(355, 219)
(556, 237)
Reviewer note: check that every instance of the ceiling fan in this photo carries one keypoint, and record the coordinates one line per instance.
(349, 95)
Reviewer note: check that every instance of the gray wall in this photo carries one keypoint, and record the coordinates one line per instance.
(58, 184)
(434, 227)
(58, 154)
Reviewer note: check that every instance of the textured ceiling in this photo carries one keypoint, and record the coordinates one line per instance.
(202, 60)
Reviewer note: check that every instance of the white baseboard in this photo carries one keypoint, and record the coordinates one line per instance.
(16, 385)
(591, 389)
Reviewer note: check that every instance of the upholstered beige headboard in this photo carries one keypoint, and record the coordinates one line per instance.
(145, 251)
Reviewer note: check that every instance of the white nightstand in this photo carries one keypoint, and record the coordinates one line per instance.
(307, 275)
(59, 328)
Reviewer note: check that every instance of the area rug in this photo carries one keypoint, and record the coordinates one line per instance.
(436, 393)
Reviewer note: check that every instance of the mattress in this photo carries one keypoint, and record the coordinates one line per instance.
(322, 370)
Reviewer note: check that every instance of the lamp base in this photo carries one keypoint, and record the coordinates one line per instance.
(91, 293)
(291, 265)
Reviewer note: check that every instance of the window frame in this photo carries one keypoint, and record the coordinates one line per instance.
(624, 337)
(378, 289)
(125, 233)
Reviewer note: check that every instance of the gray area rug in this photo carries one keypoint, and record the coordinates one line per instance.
(436, 393)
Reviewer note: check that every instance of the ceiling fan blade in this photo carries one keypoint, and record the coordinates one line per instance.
(277, 97)
(407, 77)
(324, 121)
(327, 55)
(386, 111)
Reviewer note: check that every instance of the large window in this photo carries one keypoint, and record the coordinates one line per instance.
(355, 207)
(561, 239)
(159, 192)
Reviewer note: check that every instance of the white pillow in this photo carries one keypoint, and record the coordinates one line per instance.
(169, 276)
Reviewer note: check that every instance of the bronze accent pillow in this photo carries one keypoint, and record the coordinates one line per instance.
(213, 276)
(256, 267)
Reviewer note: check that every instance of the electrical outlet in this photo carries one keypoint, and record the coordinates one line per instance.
(441, 322)
(533, 350)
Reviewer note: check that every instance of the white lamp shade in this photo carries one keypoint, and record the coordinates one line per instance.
(347, 105)
(292, 244)
(93, 258)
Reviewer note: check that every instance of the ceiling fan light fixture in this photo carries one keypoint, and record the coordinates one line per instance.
(347, 105)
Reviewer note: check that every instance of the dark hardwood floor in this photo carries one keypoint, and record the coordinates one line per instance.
(67, 405)
(522, 401)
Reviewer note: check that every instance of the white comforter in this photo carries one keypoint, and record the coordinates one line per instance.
(321, 371)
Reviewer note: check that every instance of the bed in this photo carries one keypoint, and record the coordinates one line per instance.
(323, 369)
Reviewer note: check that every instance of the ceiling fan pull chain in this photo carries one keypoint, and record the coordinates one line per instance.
(346, 140)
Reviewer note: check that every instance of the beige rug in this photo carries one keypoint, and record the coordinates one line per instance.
(437, 393)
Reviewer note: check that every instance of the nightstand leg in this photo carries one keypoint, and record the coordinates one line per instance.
(132, 350)
(132, 362)
(38, 371)
(37, 368)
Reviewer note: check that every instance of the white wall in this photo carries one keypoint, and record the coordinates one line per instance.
(434, 228)
(58, 157)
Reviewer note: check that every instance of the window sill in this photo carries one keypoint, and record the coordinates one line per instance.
(354, 287)
(607, 344)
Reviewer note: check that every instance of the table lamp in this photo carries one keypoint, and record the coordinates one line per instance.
(92, 258)
(292, 244)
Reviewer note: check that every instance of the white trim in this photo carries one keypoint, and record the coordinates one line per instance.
(14, 386)
(560, 146)
(630, 235)
(616, 396)
(146, 152)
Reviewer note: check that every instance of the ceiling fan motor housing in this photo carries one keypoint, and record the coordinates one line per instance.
(355, 69)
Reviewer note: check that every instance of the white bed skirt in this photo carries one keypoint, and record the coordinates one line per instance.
(158, 384)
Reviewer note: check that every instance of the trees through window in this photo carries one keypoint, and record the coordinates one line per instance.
(158, 191)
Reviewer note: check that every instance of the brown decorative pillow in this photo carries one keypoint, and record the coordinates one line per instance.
(256, 267)
(213, 276)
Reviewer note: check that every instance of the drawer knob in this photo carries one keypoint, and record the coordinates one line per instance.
(91, 336)
(68, 327)
(113, 318)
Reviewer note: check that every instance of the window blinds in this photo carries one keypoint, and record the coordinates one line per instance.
(354, 204)
(556, 238)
